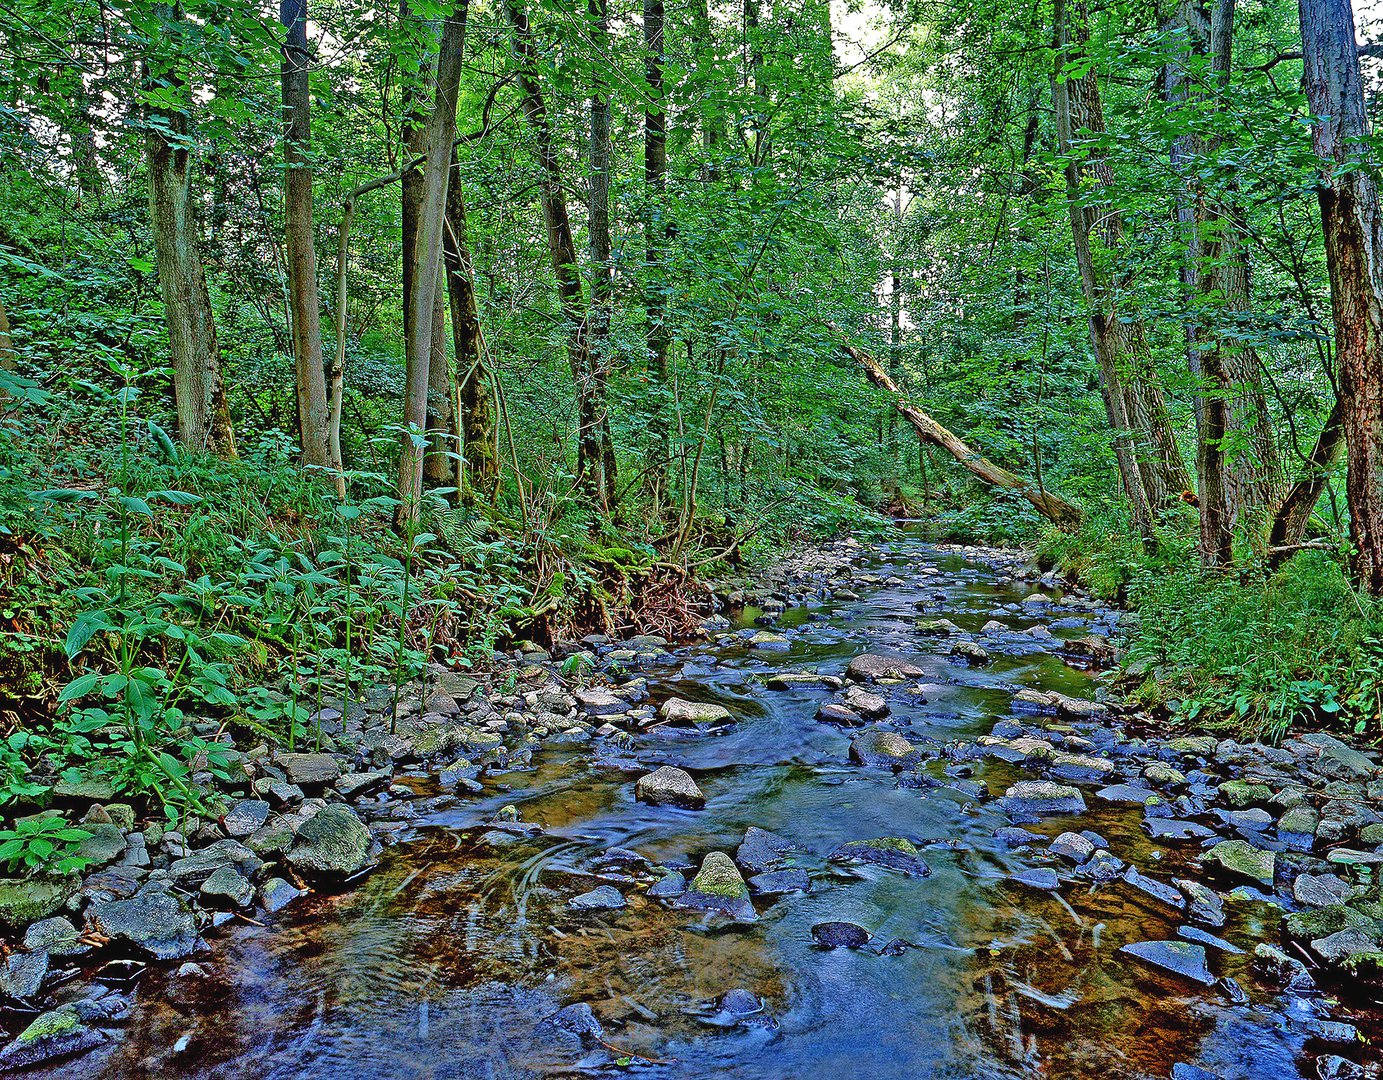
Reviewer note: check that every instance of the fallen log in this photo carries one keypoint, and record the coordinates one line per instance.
(1055, 509)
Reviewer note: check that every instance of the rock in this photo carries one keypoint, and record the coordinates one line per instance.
(22, 975)
(736, 1007)
(1043, 877)
(1203, 904)
(26, 900)
(832, 712)
(780, 882)
(718, 887)
(597, 701)
(1287, 971)
(1128, 793)
(353, 784)
(1321, 890)
(245, 817)
(1158, 890)
(765, 639)
(1297, 827)
(310, 770)
(57, 936)
(1335, 760)
(1334, 1067)
(1241, 794)
(892, 852)
(761, 850)
(1177, 957)
(1239, 859)
(1160, 828)
(276, 894)
(882, 748)
(1199, 937)
(601, 898)
(153, 920)
(90, 789)
(1073, 847)
(970, 651)
(1012, 837)
(333, 842)
(859, 700)
(840, 935)
(1050, 701)
(870, 667)
(52, 1036)
(196, 868)
(1029, 800)
(579, 1020)
(105, 844)
(227, 887)
(669, 786)
(700, 714)
(937, 627)
(669, 887)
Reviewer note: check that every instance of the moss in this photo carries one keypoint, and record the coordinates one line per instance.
(719, 877)
(891, 843)
(1322, 922)
(51, 1024)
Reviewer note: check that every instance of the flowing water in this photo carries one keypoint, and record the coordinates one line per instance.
(446, 960)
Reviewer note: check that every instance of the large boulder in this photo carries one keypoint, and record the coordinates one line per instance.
(870, 667)
(701, 714)
(1029, 800)
(332, 843)
(892, 852)
(669, 786)
(718, 887)
(52, 1036)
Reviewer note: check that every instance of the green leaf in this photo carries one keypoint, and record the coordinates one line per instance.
(79, 687)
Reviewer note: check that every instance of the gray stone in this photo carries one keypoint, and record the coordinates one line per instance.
(1073, 847)
(1176, 957)
(23, 973)
(1321, 890)
(105, 844)
(1029, 800)
(669, 786)
(245, 817)
(761, 850)
(892, 852)
(579, 1020)
(859, 700)
(1203, 904)
(840, 935)
(227, 886)
(1160, 828)
(196, 868)
(1042, 877)
(669, 887)
(1210, 941)
(1158, 890)
(310, 770)
(719, 888)
(52, 1036)
(601, 898)
(883, 748)
(832, 712)
(869, 667)
(1240, 860)
(153, 920)
(701, 714)
(276, 894)
(57, 936)
(780, 882)
(332, 843)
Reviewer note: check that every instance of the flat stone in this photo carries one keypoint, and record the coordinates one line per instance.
(1029, 800)
(669, 887)
(669, 786)
(791, 680)
(859, 700)
(310, 770)
(1203, 904)
(579, 1020)
(718, 887)
(276, 894)
(1176, 957)
(353, 784)
(766, 639)
(196, 868)
(832, 712)
(1073, 847)
(26, 900)
(1241, 860)
(601, 898)
(1158, 890)
(52, 1036)
(1042, 877)
(1321, 890)
(1210, 941)
(597, 701)
(1336, 760)
(227, 886)
(1127, 793)
(245, 817)
(1297, 827)
(869, 667)
(840, 935)
(892, 852)
(22, 975)
(699, 714)
(57, 936)
(154, 921)
(761, 850)
(1160, 828)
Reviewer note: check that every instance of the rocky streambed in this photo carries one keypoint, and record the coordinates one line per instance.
(885, 823)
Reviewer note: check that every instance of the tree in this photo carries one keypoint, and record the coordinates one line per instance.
(656, 229)
(204, 423)
(304, 301)
(1353, 229)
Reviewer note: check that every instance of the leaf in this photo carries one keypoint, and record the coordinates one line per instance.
(64, 495)
(165, 443)
(79, 687)
(177, 498)
(83, 628)
(136, 505)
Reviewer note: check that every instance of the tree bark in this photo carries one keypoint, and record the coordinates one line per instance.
(439, 464)
(304, 302)
(562, 251)
(198, 390)
(1055, 509)
(440, 134)
(598, 227)
(1353, 231)
(1145, 446)
(656, 229)
(1294, 513)
(477, 419)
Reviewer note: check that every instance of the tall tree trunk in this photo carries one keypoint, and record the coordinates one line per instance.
(427, 257)
(198, 390)
(1150, 464)
(1353, 230)
(562, 251)
(1293, 515)
(477, 420)
(656, 230)
(598, 226)
(439, 464)
(304, 304)
(711, 107)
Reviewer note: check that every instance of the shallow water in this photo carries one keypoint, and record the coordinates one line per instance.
(446, 960)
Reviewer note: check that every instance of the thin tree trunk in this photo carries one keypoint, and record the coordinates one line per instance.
(440, 134)
(711, 110)
(1055, 509)
(198, 390)
(304, 302)
(562, 251)
(1289, 524)
(1353, 229)
(1145, 446)
(656, 228)
(438, 465)
(477, 421)
(598, 226)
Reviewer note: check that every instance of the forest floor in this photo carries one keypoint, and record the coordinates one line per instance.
(684, 836)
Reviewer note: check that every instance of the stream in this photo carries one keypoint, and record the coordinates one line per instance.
(449, 958)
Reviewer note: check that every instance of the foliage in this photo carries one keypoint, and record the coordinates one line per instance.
(42, 843)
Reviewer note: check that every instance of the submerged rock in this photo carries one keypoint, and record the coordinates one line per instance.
(669, 786)
(718, 887)
(1177, 957)
(780, 882)
(601, 898)
(1042, 877)
(840, 935)
(892, 852)
(52, 1036)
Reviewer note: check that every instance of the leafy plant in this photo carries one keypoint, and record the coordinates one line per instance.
(43, 844)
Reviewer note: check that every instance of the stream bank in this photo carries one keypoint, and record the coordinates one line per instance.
(884, 824)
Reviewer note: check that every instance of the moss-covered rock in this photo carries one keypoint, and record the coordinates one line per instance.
(893, 852)
(332, 843)
(1240, 794)
(1241, 860)
(718, 887)
(24, 900)
(52, 1036)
